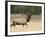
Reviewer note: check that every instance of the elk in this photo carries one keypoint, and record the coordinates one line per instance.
(21, 19)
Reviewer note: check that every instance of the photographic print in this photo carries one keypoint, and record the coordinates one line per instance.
(25, 18)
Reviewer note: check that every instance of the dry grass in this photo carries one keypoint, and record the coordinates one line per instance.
(33, 25)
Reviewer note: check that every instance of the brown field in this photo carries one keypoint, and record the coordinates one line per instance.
(33, 25)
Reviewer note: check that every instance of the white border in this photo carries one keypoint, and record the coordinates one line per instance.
(29, 4)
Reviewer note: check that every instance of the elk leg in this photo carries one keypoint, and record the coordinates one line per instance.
(26, 24)
(23, 25)
(14, 25)
(11, 25)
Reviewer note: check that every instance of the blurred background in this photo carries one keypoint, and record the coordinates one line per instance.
(29, 10)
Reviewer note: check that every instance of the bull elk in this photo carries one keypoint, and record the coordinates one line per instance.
(21, 19)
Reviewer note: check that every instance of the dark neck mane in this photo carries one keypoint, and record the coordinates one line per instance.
(28, 18)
